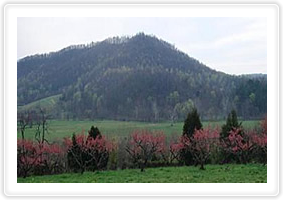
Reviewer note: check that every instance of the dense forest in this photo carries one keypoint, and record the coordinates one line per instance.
(140, 78)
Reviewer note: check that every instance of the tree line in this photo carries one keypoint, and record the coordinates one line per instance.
(143, 148)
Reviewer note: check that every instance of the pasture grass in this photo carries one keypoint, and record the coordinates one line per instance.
(230, 173)
(59, 129)
(47, 103)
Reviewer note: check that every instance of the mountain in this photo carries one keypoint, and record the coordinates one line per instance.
(136, 78)
(255, 76)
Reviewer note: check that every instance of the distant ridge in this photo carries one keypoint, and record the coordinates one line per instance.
(136, 78)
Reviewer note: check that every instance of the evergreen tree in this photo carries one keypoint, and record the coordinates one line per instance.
(231, 122)
(191, 123)
(94, 132)
(74, 153)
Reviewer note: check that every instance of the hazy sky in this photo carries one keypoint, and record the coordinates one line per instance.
(231, 45)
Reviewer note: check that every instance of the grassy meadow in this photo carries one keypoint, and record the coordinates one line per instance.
(47, 103)
(230, 173)
(59, 129)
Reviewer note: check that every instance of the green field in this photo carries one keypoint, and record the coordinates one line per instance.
(59, 129)
(47, 103)
(232, 173)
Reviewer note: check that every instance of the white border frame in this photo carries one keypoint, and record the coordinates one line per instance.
(12, 11)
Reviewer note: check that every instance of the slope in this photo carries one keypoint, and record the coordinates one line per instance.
(135, 78)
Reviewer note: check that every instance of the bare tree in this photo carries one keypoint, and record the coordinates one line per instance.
(24, 121)
(41, 122)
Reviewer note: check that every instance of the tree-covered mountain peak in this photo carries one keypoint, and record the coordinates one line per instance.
(139, 78)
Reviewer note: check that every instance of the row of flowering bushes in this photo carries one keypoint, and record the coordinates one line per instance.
(140, 150)
(39, 158)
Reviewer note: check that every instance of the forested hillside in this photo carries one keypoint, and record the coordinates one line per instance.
(139, 78)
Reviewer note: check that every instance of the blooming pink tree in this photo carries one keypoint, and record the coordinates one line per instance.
(175, 149)
(51, 159)
(85, 152)
(240, 144)
(260, 142)
(38, 158)
(200, 145)
(247, 145)
(27, 157)
(143, 145)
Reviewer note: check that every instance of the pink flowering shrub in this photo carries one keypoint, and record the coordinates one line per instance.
(203, 143)
(38, 158)
(200, 145)
(144, 145)
(248, 145)
(86, 153)
(260, 142)
(175, 149)
(240, 144)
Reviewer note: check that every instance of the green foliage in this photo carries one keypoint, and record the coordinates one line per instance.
(88, 153)
(231, 122)
(252, 98)
(94, 132)
(141, 78)
(192, 123)
(72, 154)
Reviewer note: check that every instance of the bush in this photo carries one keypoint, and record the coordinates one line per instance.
(231, 125)
(94, 132)
(191, 124)
(247, 146)
(240, 145)
(145, 146)
(39, 158)
(200, 145)
(123, 158)
(87, 153)
(260, 143)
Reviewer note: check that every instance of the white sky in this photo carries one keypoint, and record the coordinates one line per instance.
(230, 45)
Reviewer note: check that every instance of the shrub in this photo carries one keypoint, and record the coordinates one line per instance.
(231, 124)
(94, 132)
(144, 145)
(175, 152)
(86, 153)
(204, 142)
(191, 123)
(240, 145)
(247, 146)
(260, 141)
(200, 145)
(39, 158)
